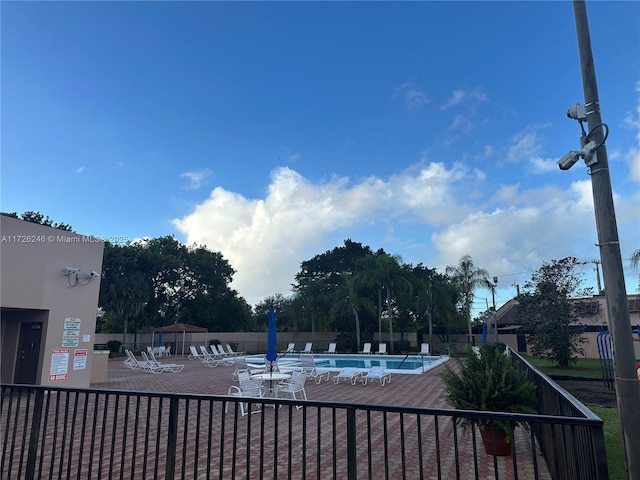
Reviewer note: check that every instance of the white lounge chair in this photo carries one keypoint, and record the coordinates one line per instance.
(194, 355)
(211, 360)
(290, 348)
(349, 373)
(248, 388)
(424, 349)
(232, 353)
(309, 368)
(164, 367)
(332, 349)
(132, 362)
(382, 349)
(218, 351)
(307, 348)
(376, 373)
(366, 349)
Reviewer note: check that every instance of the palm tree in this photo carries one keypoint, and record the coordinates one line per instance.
(467, 278)
(635, 263)
(385, 272)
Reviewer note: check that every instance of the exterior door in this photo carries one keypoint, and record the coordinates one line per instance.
(28, 353)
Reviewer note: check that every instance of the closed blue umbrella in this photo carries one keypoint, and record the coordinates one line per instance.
(272, 354)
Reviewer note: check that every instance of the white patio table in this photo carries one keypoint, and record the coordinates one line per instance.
(271, 377)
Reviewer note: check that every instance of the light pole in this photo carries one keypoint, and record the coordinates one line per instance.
(594, 152)
(493, 299)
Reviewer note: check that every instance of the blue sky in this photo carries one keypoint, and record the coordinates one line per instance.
(273, 131)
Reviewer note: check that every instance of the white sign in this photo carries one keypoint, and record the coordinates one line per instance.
(80, 359)
(59, 364)
(86, 338)
(71, 332)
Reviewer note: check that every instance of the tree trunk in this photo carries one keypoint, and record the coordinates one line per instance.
(390, 311)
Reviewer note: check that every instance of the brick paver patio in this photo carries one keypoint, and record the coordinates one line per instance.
(424, 390)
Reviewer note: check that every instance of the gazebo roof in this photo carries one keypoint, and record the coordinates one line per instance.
(179, 328)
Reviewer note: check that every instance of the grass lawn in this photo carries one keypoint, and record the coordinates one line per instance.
(612, 441)
(583, 368)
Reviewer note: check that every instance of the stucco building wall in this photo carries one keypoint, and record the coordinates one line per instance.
(36, 293)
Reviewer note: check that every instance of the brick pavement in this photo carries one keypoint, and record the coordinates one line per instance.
(404, 390)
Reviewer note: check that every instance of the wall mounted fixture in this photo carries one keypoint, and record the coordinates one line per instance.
(73, 276)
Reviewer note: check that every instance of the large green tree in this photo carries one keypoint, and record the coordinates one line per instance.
(467, 278)
(547, 310)
(435, 303)
(173, 283)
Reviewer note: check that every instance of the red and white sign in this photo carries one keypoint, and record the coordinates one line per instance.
(80, 359)
(59, 364)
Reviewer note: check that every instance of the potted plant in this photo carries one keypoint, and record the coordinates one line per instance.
(488, 380)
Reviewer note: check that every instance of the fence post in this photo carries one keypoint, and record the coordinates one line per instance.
(351, 444)
(35, 434)
(172, 440)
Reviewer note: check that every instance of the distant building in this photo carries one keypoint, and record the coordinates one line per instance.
(49, 286)
(592, 319)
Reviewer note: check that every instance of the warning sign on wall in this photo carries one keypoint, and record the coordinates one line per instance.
(59, 364)
(80, 359)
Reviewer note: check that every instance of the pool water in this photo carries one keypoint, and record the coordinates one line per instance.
(412, 364)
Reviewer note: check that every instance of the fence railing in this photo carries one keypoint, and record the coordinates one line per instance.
(99, 434)
(559, 446)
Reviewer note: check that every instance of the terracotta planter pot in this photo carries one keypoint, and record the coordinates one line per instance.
(495, 442)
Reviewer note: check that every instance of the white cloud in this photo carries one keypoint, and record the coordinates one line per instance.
(539, 165)
(633, 155)
(462, 122)
(266, 239)
(458, 96)
(80, 169)
(525, 145)
(541, 224)
(196, 178)
(410, 95)
(505, 229)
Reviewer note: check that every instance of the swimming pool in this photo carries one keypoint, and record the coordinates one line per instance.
(411, 364)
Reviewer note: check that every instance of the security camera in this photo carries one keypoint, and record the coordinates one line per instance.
(569, 160)
(578, 112)
(71, 270)
(94, 274)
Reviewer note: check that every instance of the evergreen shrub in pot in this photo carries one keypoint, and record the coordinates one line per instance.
(489, 381)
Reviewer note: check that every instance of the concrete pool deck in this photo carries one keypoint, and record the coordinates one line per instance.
(424, 390)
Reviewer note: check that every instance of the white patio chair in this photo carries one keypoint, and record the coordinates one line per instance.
(293, 387)
(424, 349)
(349, 373)
(309, 369)
(382, 349)
(376, 373)
(332, 349)
(248, 388)
(290, 348)
(367, 349)
(307, 348)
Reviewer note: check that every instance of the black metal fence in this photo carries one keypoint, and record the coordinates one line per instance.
(570, 453)
(59, 433)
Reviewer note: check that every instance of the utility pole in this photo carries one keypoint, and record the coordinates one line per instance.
(626, 380)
